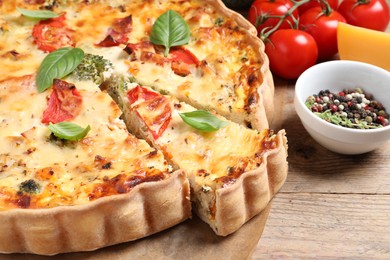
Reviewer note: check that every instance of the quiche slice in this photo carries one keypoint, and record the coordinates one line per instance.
(233, 171)
(59, 195)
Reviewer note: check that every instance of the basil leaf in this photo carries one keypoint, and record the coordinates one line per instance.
(68, 131)
(203, 120)
(58, 64)
(38, 14)
(169, 30)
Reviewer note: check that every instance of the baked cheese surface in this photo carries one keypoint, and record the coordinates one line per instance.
(38, 170)
(218, 157)
(224, 66)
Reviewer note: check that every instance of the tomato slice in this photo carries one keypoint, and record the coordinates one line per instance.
(52, 34)
(183, 55)
(152, 108)
(117, 34)
(141, 94)
(182, 61)
(123, 25)
(109, 41)
(64, 103)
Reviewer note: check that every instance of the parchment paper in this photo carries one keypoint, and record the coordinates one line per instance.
(189, 240)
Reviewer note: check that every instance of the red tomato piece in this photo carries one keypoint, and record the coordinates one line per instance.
(181, 54)
(117, 34)
(260, 11)
(141, 94)
(371, 14)
(152, 108)
(109, 41)
(291, 52)
(123, 25)
(323, 27)
(64, 104)
(52, 34)
(182, 61)
(317, 3)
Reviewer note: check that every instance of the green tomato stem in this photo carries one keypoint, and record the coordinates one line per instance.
(264, 35)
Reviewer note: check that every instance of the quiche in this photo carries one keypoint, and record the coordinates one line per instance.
(100, 144)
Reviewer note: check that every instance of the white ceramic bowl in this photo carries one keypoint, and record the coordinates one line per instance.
(336, 76)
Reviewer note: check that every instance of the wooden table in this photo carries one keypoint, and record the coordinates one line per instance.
(331, 206)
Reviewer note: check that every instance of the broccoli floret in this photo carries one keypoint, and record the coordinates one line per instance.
(92, 67)
(29, 186)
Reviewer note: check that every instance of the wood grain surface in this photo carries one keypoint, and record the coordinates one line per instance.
(332, 206)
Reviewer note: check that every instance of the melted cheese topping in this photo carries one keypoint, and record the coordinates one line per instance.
(216, 158)
(67, 173)
(216, 41)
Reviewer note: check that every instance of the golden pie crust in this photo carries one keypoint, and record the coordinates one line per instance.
(253, 190)
(148, 208)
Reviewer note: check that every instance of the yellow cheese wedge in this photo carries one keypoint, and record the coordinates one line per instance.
(361, 44)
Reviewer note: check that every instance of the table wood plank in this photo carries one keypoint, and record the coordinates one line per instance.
(326, 226)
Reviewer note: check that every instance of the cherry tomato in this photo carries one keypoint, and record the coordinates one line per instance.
(291, 52)
(371, 14)
(52, 34)
(260, 11)
(322, 25)
(315, 3)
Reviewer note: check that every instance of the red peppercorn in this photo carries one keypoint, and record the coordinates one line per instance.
(333, 108)
(314, 109)
(341, 93)
(382, 120)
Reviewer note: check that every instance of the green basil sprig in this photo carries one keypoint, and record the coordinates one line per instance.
(58, 64)
(203, 120)
(37, 14)
(169, 30)
(68, 131)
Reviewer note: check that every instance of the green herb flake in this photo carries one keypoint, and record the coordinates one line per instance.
(69, 131)
(203, 120)
(169, 30)
(58, 64)
(37, 14)
(219, 21)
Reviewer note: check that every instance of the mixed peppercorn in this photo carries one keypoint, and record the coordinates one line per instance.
(349, 108)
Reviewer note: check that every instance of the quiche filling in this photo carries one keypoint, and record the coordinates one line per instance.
(39, 170)
(201, 73)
